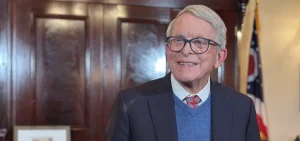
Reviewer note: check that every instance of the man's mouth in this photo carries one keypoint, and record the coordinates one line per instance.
(187, 63)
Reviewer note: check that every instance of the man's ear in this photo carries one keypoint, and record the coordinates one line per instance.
(220, 58)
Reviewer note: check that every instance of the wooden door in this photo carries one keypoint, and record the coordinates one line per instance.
(5, 63)
(56, 67)
(70, 60)
(134, 48)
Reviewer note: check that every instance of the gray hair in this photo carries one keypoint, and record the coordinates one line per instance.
(209, 16)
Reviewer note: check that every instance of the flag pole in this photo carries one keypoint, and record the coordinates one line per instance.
(258, 30)
(244, 45)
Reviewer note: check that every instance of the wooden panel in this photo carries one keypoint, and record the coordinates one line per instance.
(60, 72)
(5, 109)
(142, 52)
(3, 52)
(215, 4)
(60, 9)
(60, 65)
(125, 26)
(94, 56)
(22, 91)
(230, 72)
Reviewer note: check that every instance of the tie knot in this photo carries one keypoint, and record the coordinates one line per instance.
(193, 101)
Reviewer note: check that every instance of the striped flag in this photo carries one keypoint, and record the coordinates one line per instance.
(254, 84)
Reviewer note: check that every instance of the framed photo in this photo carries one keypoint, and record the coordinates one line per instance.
(42, 133)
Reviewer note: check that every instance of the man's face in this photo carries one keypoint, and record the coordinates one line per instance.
(186, 65)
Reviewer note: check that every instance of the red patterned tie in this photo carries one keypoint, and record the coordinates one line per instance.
(193, 101)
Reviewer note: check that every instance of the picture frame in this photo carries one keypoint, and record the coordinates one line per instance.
(42, 133)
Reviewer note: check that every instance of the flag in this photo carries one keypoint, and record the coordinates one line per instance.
(254, 81)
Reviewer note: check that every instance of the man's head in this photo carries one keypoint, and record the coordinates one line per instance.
(204, 30)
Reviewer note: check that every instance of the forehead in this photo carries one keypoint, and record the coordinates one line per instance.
(190, 26)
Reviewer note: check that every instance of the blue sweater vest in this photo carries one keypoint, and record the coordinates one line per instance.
(193, 124)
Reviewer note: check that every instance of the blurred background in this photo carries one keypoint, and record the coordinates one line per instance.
(62, 62)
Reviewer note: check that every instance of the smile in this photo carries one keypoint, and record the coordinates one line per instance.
(187, 64)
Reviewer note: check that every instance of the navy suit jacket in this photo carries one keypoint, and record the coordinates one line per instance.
(147, 113)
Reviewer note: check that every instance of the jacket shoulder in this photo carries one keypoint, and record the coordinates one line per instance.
(236, 96)
(143, 89)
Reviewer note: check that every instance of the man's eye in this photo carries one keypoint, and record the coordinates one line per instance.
(178, 40)
(197, 42)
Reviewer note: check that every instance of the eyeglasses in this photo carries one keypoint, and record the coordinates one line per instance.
(198, 45)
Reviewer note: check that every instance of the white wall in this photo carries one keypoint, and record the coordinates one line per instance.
(280, 55)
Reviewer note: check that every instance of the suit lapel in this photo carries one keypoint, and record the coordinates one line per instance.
(163, 112)
(222, 111)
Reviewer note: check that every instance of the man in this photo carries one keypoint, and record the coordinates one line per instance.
(186, 105)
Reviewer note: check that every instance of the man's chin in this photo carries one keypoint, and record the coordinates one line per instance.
(186, 79)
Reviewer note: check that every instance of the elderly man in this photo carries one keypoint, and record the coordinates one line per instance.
(186, 105)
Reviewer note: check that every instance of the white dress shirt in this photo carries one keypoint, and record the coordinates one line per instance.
(181, 93)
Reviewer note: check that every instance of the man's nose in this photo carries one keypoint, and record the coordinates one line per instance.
(187, 49)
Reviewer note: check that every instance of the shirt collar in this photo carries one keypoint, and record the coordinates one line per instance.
(181, 93)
